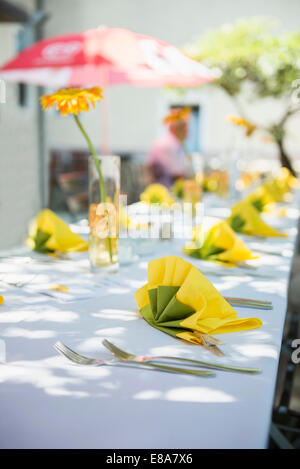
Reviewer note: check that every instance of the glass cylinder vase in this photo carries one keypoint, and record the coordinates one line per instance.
(104, 189)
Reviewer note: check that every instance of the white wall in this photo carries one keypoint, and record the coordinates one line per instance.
(19, 173)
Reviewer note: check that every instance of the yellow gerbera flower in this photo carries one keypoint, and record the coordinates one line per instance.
(176, 114)
(242, 122)
(156, 194)
(72, 100)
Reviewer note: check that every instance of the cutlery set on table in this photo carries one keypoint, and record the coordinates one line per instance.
(181, 302)
(159, 363)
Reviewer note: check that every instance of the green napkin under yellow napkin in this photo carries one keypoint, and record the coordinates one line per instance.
(215, 240)
(246, 219)
(48, 234)
(180, 301)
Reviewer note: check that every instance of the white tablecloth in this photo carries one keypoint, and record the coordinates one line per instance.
(47, 402)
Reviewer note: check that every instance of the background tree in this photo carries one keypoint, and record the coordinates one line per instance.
(249, 52)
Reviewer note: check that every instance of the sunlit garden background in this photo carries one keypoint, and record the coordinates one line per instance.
(149, 169)
(252, 48)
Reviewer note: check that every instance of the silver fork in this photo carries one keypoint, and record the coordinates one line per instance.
(125, 356)
(82, 360)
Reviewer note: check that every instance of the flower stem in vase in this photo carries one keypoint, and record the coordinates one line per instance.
(101, 181)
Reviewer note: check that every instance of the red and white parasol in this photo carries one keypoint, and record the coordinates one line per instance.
(104, 57)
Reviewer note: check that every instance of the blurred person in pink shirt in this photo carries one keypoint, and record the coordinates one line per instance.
(167, 159)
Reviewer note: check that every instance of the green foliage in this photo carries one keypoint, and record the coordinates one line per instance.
(249, 50)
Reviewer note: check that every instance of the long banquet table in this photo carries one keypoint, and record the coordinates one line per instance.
(47, 402)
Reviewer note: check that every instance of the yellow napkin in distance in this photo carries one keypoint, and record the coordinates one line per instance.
(285, 180)
(273, 190)
(215, 240)
(48, 233)
(1, 300)
(246, 219)
(180, 301)
(260, 198)
(157, 194)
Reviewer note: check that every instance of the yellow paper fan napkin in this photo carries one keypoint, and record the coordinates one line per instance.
(273, 190)
(216, 241)
(246, 219)
(280, 187)
(157, 194)
(276, 190)
(285, 181)
(260, 198)
(49, 234)
(262, 201)
(180, 301)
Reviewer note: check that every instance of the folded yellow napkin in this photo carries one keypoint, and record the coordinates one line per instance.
(1, 299)
(48, 233)
(156, 194)
(215, 240)
(180, 301)
(261, 198)
(246, 219)
(285, 180)
(272, 191)
(276, 190)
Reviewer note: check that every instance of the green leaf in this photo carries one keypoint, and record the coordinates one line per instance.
(237, 223)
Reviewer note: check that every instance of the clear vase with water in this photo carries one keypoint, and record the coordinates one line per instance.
(104, 189)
